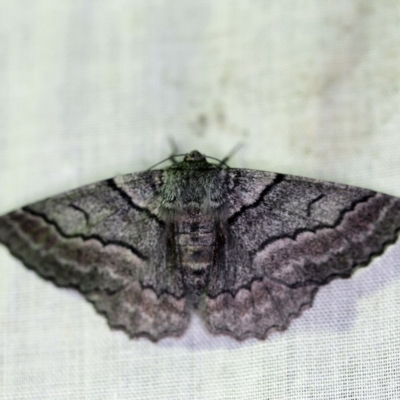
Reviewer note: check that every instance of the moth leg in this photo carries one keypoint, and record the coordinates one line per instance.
(235, 149)
(174, 150)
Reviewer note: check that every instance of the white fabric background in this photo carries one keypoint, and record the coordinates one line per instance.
(91, 89)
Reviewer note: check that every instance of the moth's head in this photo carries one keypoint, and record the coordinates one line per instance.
(194, 156)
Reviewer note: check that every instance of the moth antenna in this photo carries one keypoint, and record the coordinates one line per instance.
(170, 158)
(220, 162)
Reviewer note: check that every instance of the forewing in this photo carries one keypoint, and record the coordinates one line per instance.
(105, 240)
(296, 235)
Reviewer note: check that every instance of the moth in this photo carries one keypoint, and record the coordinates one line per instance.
(247, 250)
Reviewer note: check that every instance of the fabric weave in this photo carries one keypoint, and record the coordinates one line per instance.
(90, 90)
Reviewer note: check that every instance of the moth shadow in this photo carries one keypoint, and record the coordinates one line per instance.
(198, 338)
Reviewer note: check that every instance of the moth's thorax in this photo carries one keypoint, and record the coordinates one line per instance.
(192, 186)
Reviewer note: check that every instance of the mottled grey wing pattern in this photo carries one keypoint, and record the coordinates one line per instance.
(262, 243)
(297, 234)
(104, 240)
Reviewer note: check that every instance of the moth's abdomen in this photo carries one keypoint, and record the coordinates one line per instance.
(195, 246)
